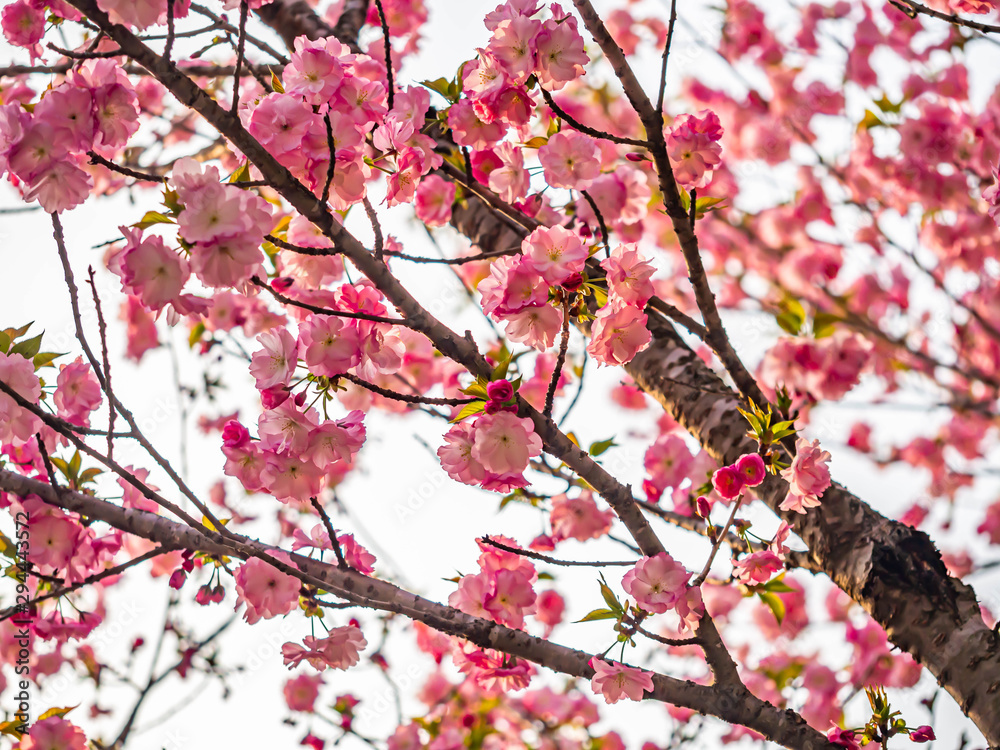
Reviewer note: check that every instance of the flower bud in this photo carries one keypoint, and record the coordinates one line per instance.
(283, 283)
(500, 390)
(573, 282)
(235, 435)
(272, 398)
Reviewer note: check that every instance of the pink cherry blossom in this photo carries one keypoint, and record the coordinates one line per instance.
(808, 477)
(657, 583)
(18, 425)
(616, 681)
(289, 478)
(757, 567)
(301, 692)
(149, 269)
(266, 591)
(571, 160)
(54, 732)
(275, 362)
(512, 285)
(434, 199)
(555, 253)
(456, 455)
(503, 443)
(628, 276)
(330, 345)
(559, 53)
(694, 149)
(579, 518)
(618, 335)
(535, 325)
(751, 468)
(77, 392)
(728, 482)
(339, 649)
(510, 180)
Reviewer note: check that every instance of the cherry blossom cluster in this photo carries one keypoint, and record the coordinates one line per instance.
(694, 149)
(502, 591)
(491, 451)
(44, 151)
(220, 227)
(522, 46)
(748, 471)
(317, 125)
(519, 288)
(817, 369)
(296, 452)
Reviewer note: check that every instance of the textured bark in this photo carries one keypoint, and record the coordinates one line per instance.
(733, 704)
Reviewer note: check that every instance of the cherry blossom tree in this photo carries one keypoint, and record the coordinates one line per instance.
(837, 180)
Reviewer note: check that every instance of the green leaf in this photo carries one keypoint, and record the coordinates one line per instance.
(477, 389)
(172, 202)
(468, 410)
(195, 336)
(870, 120)
(500, 371)
(276, 84)
(777, 585)
(598, 614)
(7, 548)
(609, 597)
(4, 341)
(824, 324)
(706, 204)
(60, 712)
(16, 333)
(44, 359)
(440, 85)
(789, 322)
(28, 348)
(600, 446)
(537, 142)
(774, 603)
(75, 463)
(152, 217)
(89, 475)
(242, 174)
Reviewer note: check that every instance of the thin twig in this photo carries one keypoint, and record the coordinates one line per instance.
(96, 158)
(240, 48)
(717, 543)
(553, 561)
(407, 398)
(600, 221)
(169, 44)
(912, 8)
(332, 165)
(284, 244)
(331, 532)
(102, 329)
(107, 573)
(577, 125)
(390, 88)
(666, 55)
(256, 281)
(550, 394)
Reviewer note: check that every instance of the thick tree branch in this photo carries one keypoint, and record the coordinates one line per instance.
(734, 704)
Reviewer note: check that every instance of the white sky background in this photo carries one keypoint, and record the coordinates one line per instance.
(421, 540)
